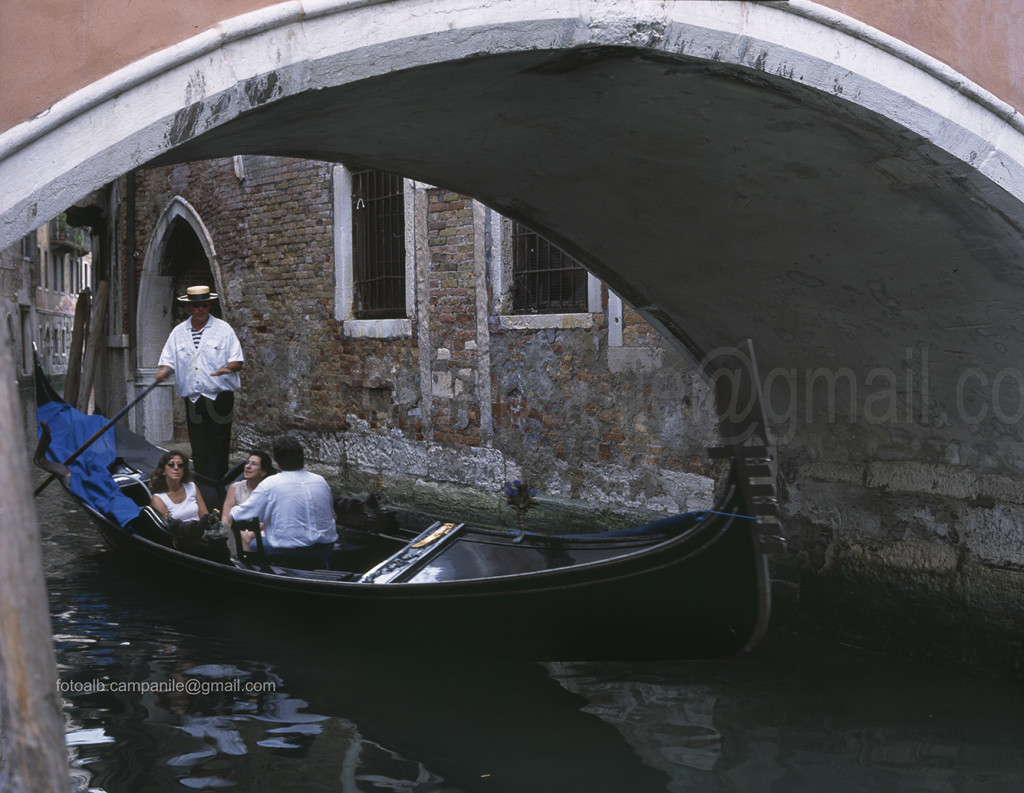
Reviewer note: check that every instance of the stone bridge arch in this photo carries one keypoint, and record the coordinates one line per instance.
(772, 170)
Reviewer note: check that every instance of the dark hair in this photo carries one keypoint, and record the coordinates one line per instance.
(266, 464)
(288, 453)
(157, 481)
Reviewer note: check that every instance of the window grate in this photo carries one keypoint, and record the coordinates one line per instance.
(378, 245)
(546, 279)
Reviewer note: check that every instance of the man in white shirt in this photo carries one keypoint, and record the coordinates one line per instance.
(295, 507)
(205, 357)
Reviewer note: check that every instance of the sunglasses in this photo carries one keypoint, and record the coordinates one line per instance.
(175, 464)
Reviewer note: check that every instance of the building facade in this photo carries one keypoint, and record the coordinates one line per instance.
(41, 278)
(417, 341)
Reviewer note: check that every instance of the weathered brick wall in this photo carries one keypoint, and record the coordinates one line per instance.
(581, 429)
(272, 232)
(455, 402)
(623, 425)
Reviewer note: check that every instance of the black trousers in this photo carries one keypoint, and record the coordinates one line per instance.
(209, 432)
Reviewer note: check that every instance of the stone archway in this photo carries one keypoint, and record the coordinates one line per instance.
(732, 169)
(796, 144)
(767, 170)
(179, 238)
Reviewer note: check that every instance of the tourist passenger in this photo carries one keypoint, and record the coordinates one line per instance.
(258, 466)
(175, 495)
(205, 357)
(295, 506)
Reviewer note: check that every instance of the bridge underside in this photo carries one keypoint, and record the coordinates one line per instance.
(734, 170)
(880, 277)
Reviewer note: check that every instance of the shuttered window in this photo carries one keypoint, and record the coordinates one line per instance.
(545, 279)
(378, 244)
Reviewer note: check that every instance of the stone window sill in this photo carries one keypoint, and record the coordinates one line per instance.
(545, 321)
(377, 328)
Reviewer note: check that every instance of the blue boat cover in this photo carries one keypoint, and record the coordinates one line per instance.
(90, 475)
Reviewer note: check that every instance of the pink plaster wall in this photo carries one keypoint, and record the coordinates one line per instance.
(978, 38)
(50, 48)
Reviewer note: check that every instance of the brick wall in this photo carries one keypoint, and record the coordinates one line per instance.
(455, 402)
(580, 419)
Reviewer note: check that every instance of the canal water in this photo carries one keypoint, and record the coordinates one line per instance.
(168, 690)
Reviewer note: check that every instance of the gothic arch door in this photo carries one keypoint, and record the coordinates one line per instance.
(180, 254)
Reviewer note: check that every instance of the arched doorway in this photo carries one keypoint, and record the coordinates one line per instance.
(180, 254)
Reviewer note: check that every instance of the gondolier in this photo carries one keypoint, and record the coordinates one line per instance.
(205, 356)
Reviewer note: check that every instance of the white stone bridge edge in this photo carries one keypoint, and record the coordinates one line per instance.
(127, 118)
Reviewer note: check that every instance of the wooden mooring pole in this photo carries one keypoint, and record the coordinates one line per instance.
(79, 331)
(92, 346)
(33, 758)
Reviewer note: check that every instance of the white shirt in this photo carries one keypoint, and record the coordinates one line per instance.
(192, 365)
(187, 509)
(296, 509)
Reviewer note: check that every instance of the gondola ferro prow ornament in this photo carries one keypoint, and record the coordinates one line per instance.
(745, 437)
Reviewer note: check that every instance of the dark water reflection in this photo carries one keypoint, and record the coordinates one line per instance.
(281, 705)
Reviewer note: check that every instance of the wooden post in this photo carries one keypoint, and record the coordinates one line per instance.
(78, 332)
(99, 308)
(32, 751)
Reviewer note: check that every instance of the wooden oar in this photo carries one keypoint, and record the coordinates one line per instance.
(117, 417)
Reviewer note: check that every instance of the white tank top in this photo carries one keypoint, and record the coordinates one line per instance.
(187, 509)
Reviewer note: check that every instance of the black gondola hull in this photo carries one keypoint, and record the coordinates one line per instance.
(701, 593)
(711, 601)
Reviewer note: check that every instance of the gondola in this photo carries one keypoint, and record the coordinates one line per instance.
(693, 585)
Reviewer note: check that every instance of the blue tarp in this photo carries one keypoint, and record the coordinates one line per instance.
(90, 475)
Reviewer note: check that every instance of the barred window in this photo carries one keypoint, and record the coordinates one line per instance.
(545, 279)
(378, 245)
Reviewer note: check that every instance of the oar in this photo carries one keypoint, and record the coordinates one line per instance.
(117, 417)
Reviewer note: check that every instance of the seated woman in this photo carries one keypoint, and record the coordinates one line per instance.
(258, 467)
(175, 495)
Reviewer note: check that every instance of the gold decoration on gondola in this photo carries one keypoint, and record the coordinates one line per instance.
(433, 537)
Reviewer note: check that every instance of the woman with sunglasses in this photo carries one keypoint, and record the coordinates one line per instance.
(175, 495)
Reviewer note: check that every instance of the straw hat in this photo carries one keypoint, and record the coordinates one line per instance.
(198, 294)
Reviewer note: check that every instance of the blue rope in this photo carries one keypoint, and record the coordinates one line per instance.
(731, 514)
